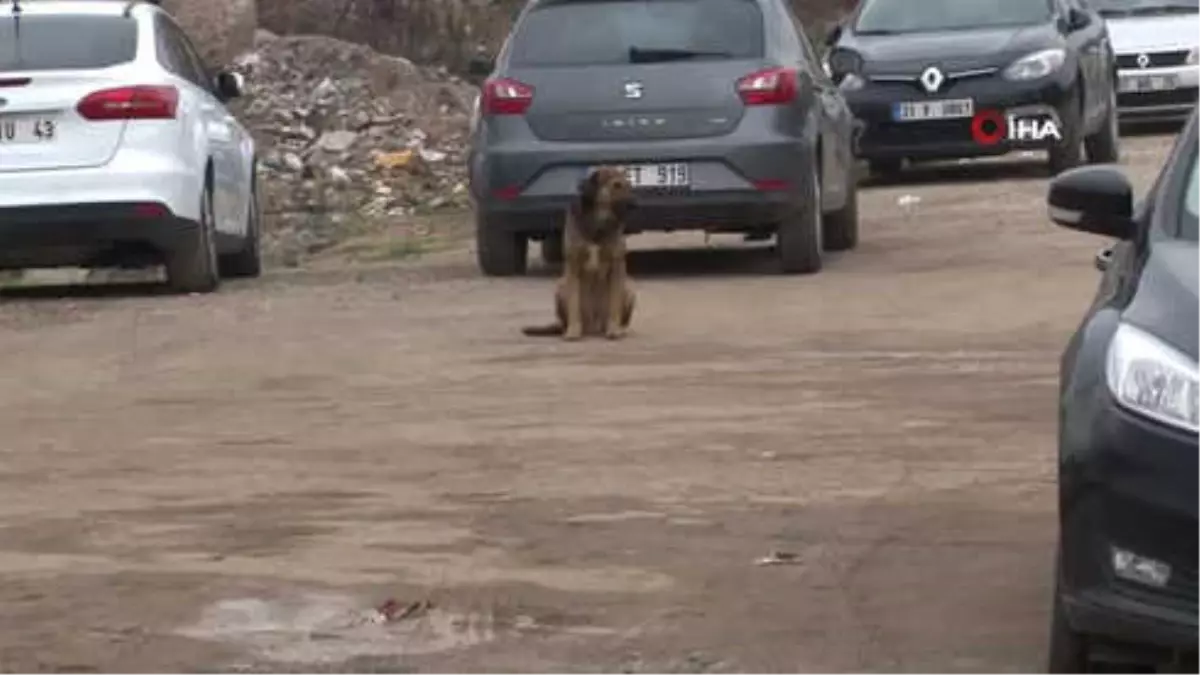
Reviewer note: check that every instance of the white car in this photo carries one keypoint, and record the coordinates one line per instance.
(116, 148)
(1157, 43)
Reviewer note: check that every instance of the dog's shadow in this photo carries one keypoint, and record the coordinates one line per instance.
(668, 263)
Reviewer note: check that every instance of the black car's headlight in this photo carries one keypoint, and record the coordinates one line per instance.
(1038, 64)
(1149, 377)
(841, 63)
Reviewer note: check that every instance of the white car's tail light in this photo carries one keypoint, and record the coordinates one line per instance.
(146, 102)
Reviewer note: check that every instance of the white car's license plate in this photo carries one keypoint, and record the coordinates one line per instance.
(1139, 83)
(916, 111)
(26, 129)
(673, 175)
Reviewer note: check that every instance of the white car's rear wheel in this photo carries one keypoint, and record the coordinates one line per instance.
(192, 266)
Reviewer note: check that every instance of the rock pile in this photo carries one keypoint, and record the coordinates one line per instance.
(348, 138)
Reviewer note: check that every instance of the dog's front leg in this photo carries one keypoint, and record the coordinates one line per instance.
(574, 292)
(614, 328)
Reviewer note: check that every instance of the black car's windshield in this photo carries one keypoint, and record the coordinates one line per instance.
(65, 42)
(1187, 215)
(1145, 7)
(598, 32)
(887, 17)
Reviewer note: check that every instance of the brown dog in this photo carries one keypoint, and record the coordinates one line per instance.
(594, 296)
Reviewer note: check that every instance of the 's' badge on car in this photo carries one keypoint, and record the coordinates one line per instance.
(633, 90)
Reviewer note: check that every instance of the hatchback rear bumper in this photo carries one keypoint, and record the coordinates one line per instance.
(79, 234)
(722, 211)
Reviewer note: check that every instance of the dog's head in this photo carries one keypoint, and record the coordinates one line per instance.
(606, 196)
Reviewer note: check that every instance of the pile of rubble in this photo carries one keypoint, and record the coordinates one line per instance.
(349, 138)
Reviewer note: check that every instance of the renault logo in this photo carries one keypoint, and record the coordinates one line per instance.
(633, 90)
(932, 79)
(1143, 61)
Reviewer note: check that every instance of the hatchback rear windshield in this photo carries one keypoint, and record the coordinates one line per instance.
(886, 17)
(597, 32)
(65, 42)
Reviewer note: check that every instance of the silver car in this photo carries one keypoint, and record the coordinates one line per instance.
(1158, 57)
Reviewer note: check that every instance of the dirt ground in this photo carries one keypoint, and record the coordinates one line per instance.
(232, 482)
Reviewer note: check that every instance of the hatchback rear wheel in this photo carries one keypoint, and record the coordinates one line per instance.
(247, 262)
(499, 251)
(799, 242)
(193, 267)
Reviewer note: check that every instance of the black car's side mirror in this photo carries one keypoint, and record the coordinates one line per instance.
(1103, 259)
(229, 85)
(1097, 199)
(1077, 19)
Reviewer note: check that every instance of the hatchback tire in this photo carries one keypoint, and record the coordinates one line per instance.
(247, 262)
(499, 251)
(1104, 146)
(798, 241)
(193, 266)
(841, 226)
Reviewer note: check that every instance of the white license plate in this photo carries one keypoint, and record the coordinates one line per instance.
(1138, 83)
(673, 175)
(28, 129)
(915, 111)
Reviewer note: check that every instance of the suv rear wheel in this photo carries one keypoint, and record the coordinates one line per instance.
(552, 248)
(193, 267)
(500, 252)
(798, 242)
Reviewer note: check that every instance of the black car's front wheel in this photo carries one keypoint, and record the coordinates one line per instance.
(1068, 153)
(1104, 146)
(1068, 648)
(841, 226)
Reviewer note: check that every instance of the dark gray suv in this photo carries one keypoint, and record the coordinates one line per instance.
(718, 110)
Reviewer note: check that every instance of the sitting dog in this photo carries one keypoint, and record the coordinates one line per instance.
(594, 296)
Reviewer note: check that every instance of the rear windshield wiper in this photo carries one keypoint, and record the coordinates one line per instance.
(878, 31)
(640, 55)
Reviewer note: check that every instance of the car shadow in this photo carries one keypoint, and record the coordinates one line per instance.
(707, 261)
(93, 291)
(1141, 129)
(972, 171)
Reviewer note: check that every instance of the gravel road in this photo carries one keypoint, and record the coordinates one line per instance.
(233, 482)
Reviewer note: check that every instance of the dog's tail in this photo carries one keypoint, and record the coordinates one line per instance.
(547, 330)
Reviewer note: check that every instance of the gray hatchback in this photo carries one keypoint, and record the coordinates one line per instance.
(718, 110)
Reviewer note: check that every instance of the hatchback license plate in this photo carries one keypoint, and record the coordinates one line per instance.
(1138, 83)
(673, 175)
(916, 111)
(27, 129)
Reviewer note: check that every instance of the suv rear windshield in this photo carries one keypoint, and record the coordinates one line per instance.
(66, 42)
(597, 32)
(887, 17)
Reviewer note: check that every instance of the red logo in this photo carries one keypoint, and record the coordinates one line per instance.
(988, 127)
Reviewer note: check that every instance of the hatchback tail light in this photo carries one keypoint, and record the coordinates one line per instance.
(505, 96)
(130, 103)
(772, 86)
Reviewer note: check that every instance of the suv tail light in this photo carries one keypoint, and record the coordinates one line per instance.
(772, 86)
(130, 103)
(505, 96)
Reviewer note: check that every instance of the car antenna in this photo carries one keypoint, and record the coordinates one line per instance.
(16, 15)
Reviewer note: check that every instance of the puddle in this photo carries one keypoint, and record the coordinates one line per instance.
(321, 628)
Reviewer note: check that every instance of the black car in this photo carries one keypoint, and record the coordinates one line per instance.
(943, 79)
(718, 110)
(1126, 566)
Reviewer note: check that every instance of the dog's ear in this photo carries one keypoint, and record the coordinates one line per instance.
(588, 187)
